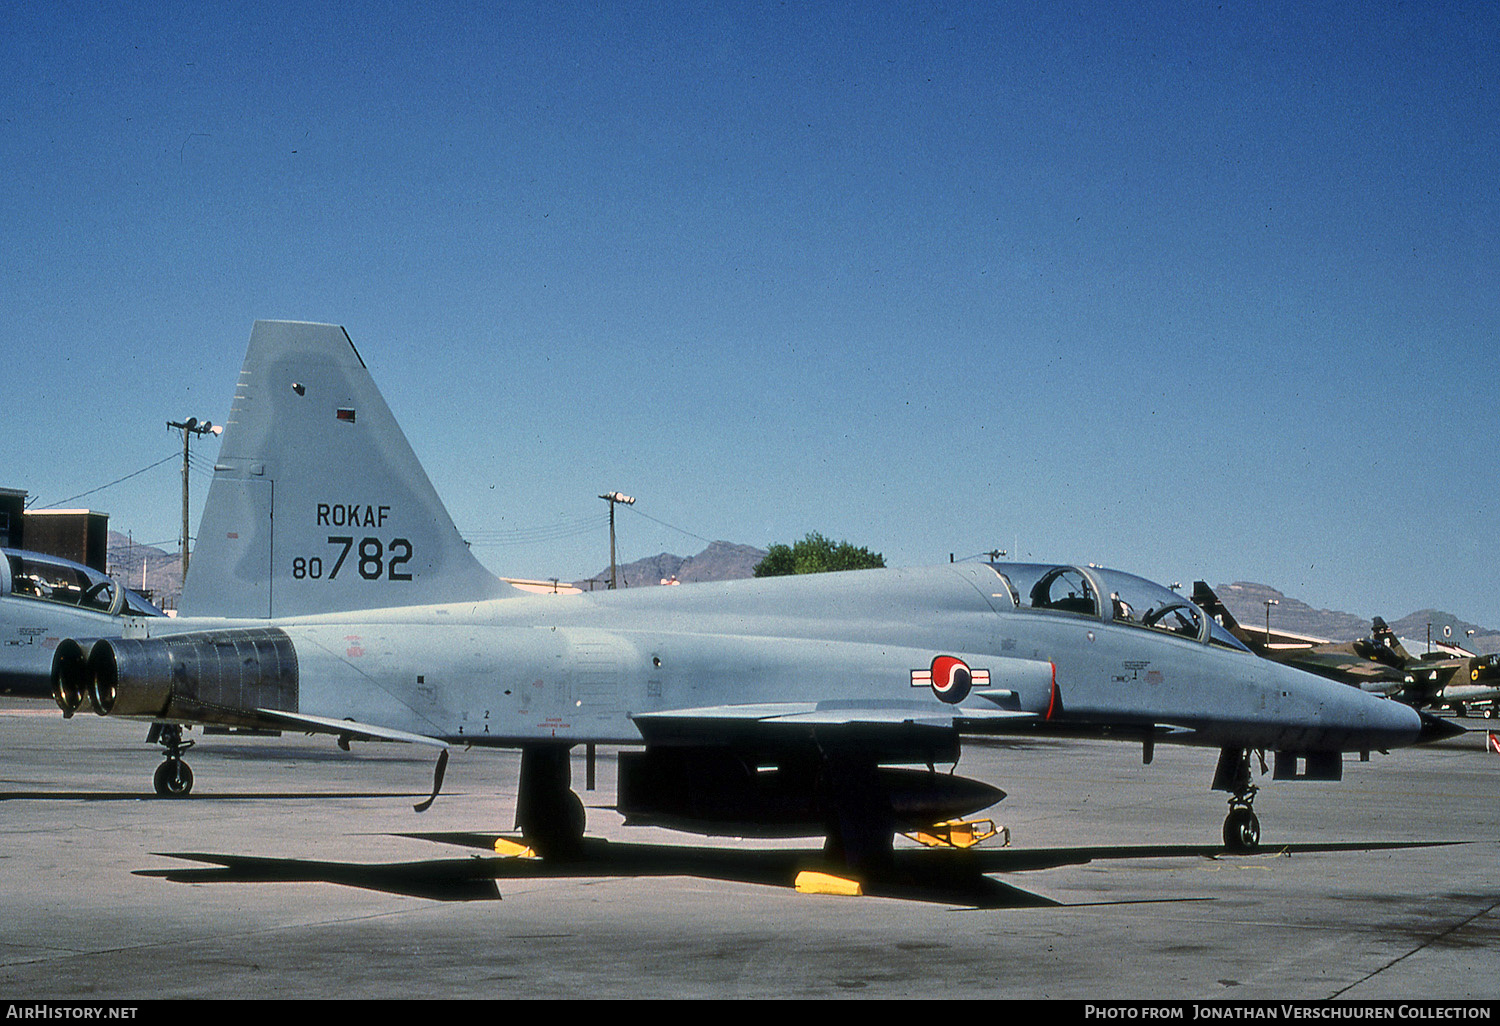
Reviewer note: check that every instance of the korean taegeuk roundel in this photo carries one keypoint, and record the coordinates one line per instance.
(951, 678)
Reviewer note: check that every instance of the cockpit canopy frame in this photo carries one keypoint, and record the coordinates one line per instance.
(1110, 596)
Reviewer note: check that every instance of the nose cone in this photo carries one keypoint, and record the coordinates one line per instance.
(1435, 728)
(1337, 717)
(1391, 724)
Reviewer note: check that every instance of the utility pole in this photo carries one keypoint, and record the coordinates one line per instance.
(189, 427)
(612, 498)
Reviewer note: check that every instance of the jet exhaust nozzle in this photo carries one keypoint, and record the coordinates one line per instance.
(130, 678)
(177, 677)
(71, 681)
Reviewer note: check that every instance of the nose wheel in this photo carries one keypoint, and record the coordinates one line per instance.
(1241, 826)
(173, 778)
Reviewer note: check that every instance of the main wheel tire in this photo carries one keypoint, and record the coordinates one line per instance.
(559, 835)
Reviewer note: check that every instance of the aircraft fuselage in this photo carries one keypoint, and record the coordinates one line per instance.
(583, 668)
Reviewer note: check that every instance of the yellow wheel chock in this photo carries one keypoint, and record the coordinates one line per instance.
(512, 849)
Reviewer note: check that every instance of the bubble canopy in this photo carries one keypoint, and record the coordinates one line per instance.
(1111, 596)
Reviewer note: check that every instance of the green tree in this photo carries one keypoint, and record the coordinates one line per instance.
(816, 555)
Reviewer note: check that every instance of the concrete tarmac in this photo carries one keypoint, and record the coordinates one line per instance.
(296, 870)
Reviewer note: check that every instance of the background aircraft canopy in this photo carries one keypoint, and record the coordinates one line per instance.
(36, 575)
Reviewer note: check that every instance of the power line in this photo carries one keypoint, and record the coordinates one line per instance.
(91, 491)
(202, 464)
(568, 527)
(155, 544)
(679, 530)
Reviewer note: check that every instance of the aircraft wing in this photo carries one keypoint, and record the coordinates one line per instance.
(351, 729)
(772, 715)
(1348, 669)
(1287, 641)
(896, 731)
(347, 728)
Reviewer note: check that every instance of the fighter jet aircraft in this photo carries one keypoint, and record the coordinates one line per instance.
(1368, 663)
(331, 592)
(1450, 677)
(1379, 663)
(45, 598)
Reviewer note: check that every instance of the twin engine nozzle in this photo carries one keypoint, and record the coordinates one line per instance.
(233, 672)
(88, 671)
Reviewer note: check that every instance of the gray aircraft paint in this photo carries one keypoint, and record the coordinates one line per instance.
(322, 524)
(510, 671)
(312, 453)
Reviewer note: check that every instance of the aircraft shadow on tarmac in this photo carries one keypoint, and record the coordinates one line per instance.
(940, 876)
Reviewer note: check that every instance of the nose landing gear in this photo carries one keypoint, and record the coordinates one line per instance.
(1241, 826)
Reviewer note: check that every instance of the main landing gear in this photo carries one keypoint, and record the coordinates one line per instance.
(1241, 827)
(861, 822)
(173, 778)
(549, 815)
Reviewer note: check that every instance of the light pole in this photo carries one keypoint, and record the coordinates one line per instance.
(1269, 603)
(612, 498)
(189, 427)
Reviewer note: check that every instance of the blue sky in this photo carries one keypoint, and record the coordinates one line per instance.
(1193, 290)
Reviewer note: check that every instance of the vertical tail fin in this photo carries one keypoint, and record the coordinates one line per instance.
(1207, 600)
(318, 503)
(1394, 653)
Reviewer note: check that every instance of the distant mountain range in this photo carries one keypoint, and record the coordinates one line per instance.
(144, 568)
(724, 561)
(721, 561)
(1247, 602)
(158, 573)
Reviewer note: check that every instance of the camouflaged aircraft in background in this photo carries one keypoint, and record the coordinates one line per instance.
(1449, 677)
(331, 592)
(1379, 663)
